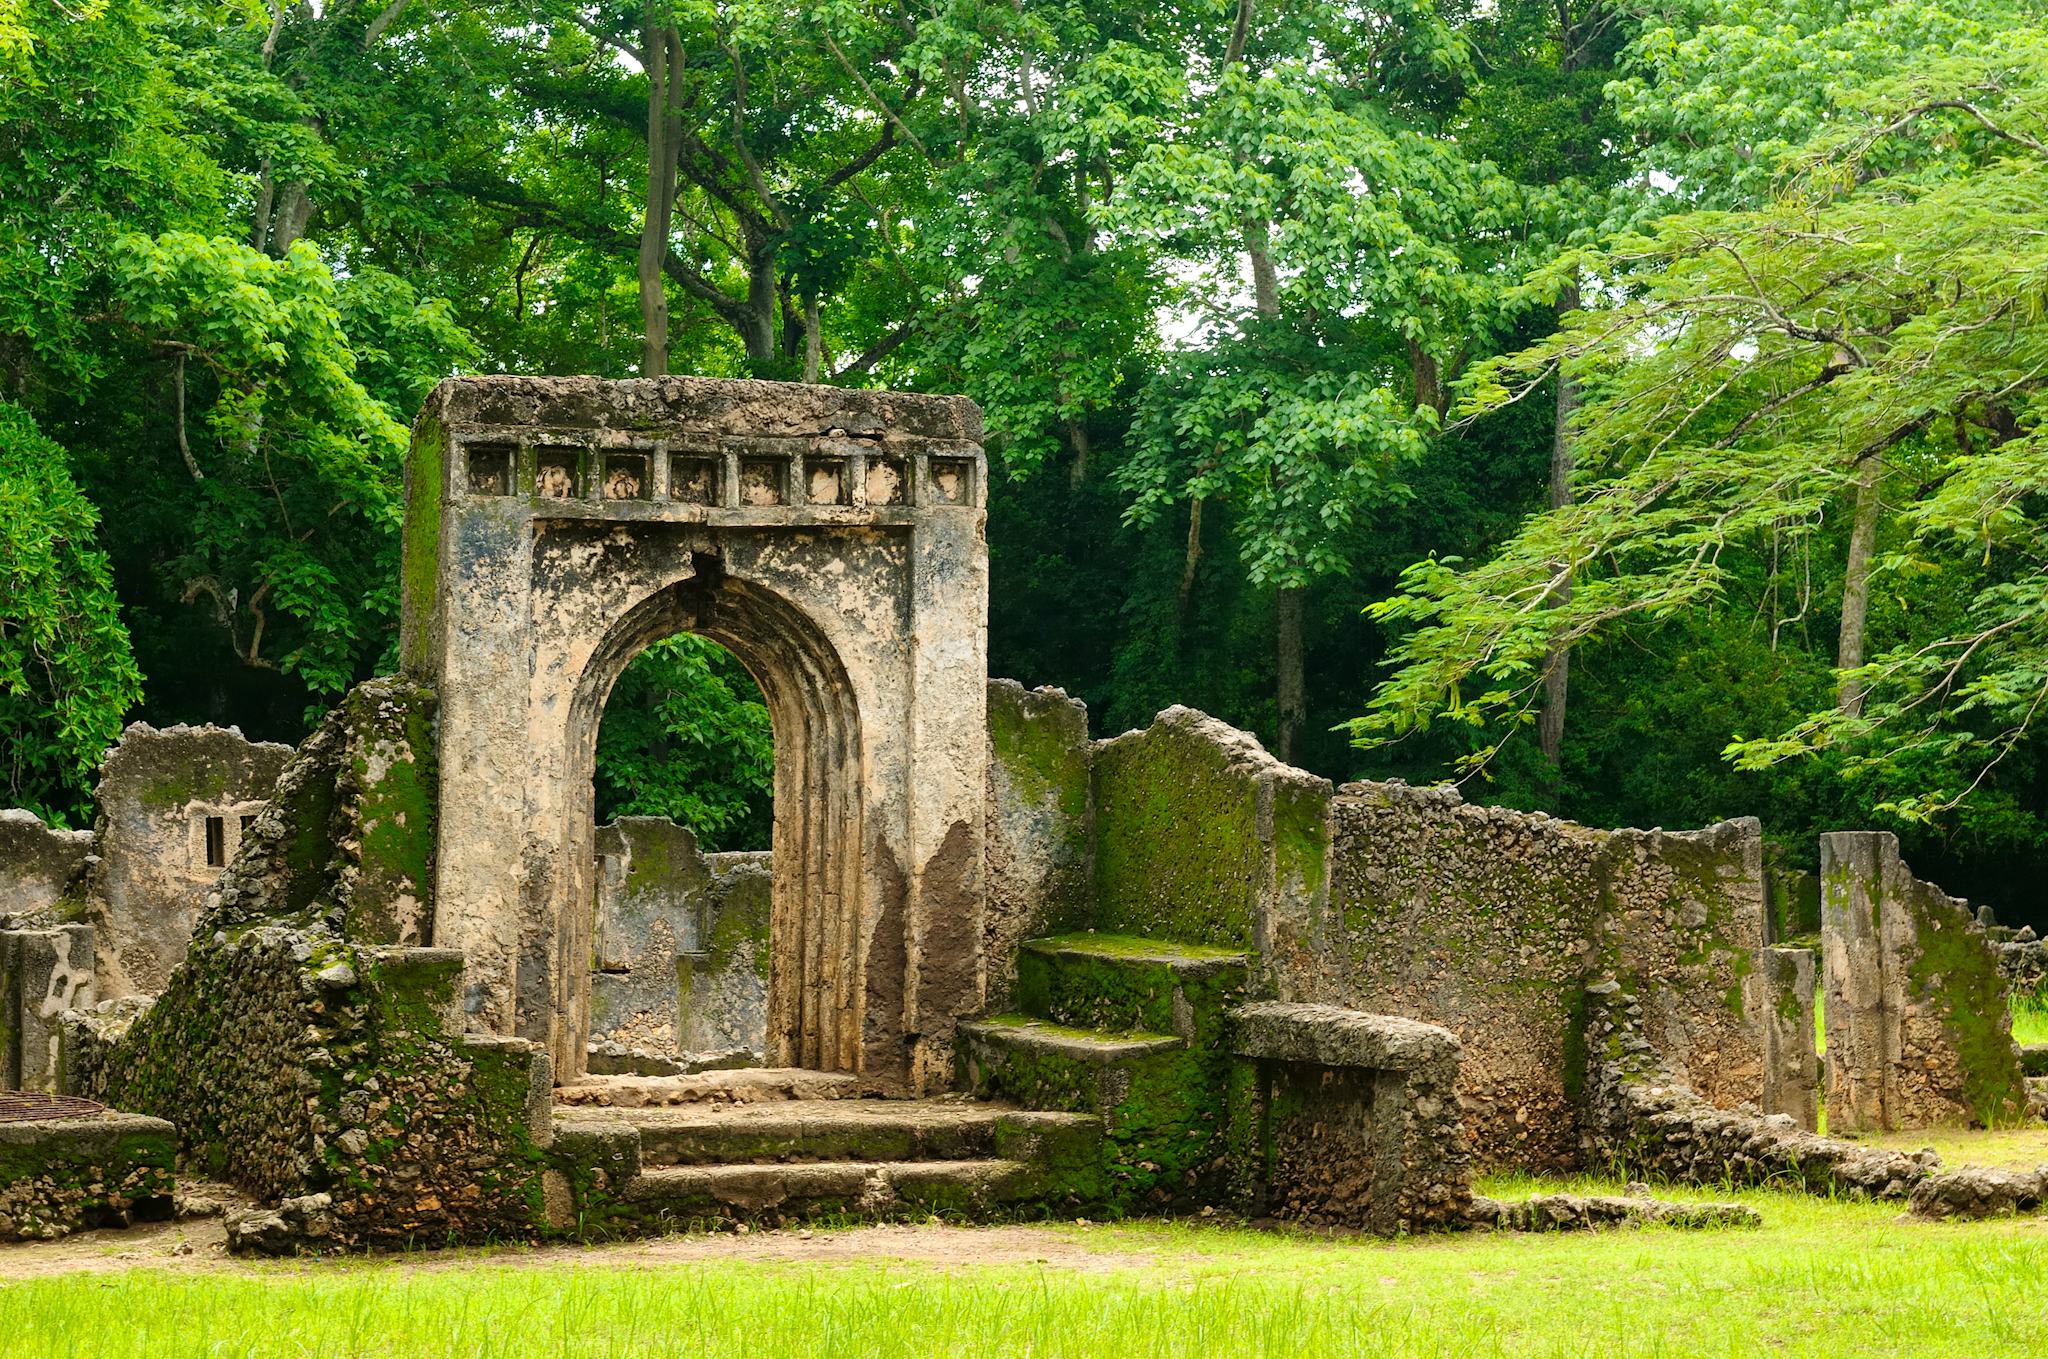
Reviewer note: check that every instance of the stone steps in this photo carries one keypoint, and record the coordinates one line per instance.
(1122, 983)
(779, 1160)
(866, 1190)
(1135, 1031)
(844, 1130)
(746, 1085)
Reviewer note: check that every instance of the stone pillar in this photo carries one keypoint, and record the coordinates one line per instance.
(1791, 1066)
(1918, 1031)
(43, 973)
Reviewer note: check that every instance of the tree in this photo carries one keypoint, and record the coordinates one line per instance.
(1305, 159)
(1866, 338)
(66, 675)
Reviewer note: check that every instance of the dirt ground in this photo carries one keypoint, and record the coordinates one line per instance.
(198, 1245)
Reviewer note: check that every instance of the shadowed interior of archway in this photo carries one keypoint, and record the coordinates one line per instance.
(815, 988)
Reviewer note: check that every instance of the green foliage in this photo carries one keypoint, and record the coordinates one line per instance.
(687, 736)
(1743, 373)
(66, 675)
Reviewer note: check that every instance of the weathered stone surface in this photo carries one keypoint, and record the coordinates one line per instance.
(1490, 922)
(43, 973)
(1040, 824)
(1329, 1035)
(173, 808)
(1791, 1063)
(1201, 836)
(1579, 1212)
(299, 1062)
(60, 1175)
(1977, 1191)
(1640, 1119)
(1355, 1119)
(1919, 1031)
(864, 618)
(40, 868)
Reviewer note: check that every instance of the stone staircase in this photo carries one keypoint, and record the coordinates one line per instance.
(1134, 1031)
(775, 1147)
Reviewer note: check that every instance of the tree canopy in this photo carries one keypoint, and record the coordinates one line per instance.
(1631, 411)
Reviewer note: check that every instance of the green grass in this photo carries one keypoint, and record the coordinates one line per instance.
(1819, 1278)
(2029, 1019)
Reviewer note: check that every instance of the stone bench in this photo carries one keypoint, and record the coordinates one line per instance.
(1349, 1119)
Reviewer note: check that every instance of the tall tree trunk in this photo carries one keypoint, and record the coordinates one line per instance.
(1429, 386)
(814, 339)
(1265, 279)
(1289, 606)
(1856, 585)
(1077, 439)
(664, 133)
(1557, 665)
(757, 324)
(1189, 563)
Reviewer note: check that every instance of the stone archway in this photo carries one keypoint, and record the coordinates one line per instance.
(834, 541)
(816, 971)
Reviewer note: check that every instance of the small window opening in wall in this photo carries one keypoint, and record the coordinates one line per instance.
(555, 476)
(247, 822)
(625, 477)
(216, 842)
(694, 481)
(490, 469)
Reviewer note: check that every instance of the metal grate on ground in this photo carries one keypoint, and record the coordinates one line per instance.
(34, 1106)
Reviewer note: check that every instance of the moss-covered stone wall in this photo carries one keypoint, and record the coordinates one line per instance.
(1040, 818)
(1411, 902)
(304, 1055)
(1919, 1030)
(1201, 837)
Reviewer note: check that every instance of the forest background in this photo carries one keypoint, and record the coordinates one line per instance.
(1632, 410)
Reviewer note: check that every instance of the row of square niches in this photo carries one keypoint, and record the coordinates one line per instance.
(742, 481)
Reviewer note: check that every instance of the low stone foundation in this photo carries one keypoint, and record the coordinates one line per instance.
(1639, 1121)
(1579, 1212)
(62, 1175)
(1352, 1119)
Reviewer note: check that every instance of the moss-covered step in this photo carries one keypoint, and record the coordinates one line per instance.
(863, 1190)
(850, 1130)
(1123, 982)
(1159, 1098)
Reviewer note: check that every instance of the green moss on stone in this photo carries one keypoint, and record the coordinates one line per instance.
(1177, 849)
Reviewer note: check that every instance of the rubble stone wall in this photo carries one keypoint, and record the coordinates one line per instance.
(1387, 899)
(306, 1060)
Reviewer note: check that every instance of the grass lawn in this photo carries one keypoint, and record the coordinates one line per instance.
(1819, 1278)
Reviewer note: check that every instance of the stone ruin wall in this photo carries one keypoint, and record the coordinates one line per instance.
(1390, 899)
(105, 915)
(307, 1054)
(680, 963)
(1919, 1031)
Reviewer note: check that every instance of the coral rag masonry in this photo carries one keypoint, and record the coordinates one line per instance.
(400, 985)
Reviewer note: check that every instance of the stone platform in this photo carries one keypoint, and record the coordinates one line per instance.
(723, 1149)
(98, 1169)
